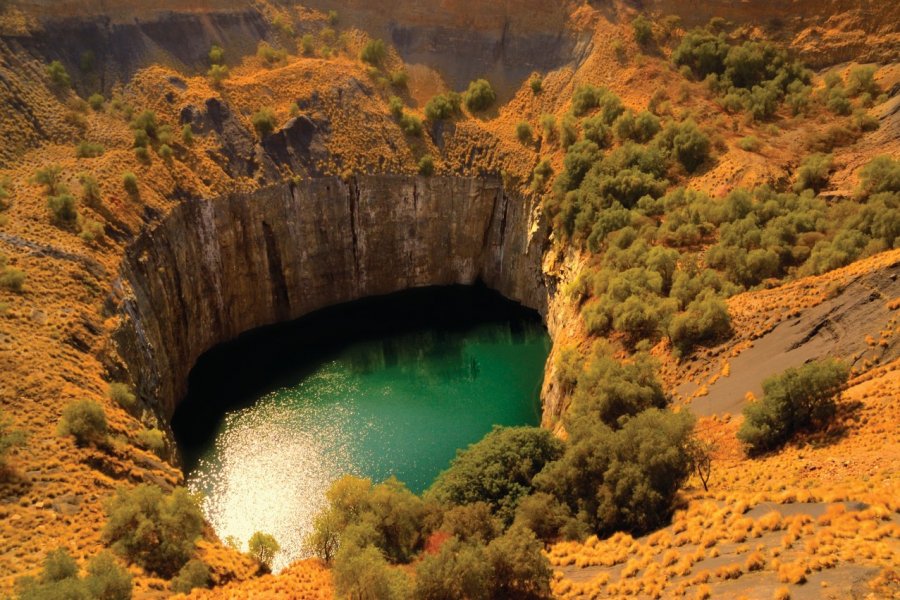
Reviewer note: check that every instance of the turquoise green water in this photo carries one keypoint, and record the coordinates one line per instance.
(384, 404)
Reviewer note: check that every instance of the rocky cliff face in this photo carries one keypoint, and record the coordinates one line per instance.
(216, 268)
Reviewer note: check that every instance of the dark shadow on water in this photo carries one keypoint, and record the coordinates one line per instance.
(413, 325)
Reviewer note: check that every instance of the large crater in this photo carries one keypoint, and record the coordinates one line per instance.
(215, 268)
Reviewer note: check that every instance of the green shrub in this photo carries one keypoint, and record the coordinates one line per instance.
(307, 44)
(569, 365)
(158, 531)
(473, 522)
(269, 55)
(705, 320)
(49, 176)
(861, 80)
(85, 421)
(458, 570)
(364, 573)
(607, 390)
(411, 125)
(543, 514)
(596, 130)
(106, 579)
(399, 78)
(263, 547)
(96, 101)
(643, 29)
(165, 152)
(332, 17)
(518, 566)
(638, 128)
(586, 98)
(580, 157)
(12, 279)
(797, 399)
(153, 440)
(386, 515)
(395, 105)
(264, 121)
(187, 135)
(129, 180)
(881, 174)
(90, 230)
(374, 53)
(194, 574)
(146, 122)
(524, 132)
(687, 143)
(216, 55)
(9, 438)
(59, 77)
(443, 106)
(426, 166)
(86, 149)
(568, 132)
(536, 84)
(324, 539)
(813, 173)
(63, 209)
(497, 469)
(838, 102)
(480, 95)
(625, 479)
(749, 143)
(59, 580)
(217, 74)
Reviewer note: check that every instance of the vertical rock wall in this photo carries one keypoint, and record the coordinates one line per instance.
(216, 268)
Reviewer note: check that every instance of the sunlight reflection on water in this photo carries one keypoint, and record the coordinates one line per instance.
(273, 463)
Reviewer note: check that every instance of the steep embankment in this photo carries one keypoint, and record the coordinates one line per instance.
(216, 268)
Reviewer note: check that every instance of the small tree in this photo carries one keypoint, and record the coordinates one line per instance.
(156, 530)
(264, 121)
(426, 166)
(518, 566)
(524, 132)
(217, 74)
(813, 173)
(263, 547)
(374, 53)
(49, 176)
(130, 182)
(59, 77)
(443, 106)
(324, 539)
(800, 398)
(643, 30)
(480, 95)
(701, 453)
(216, 55)
(85, 421)
(194, 574)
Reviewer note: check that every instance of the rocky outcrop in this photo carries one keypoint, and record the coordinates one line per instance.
(216, 268)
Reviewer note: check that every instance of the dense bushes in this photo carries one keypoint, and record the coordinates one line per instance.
(158, 531)
(59, 579)
(623, 478)
(800, 398)
(607, 391)
(497, 470)
(263, 547)
(754, 76)
(85, 421)
(706, 319)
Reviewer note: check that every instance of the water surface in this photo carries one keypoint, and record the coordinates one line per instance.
(387, 386)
